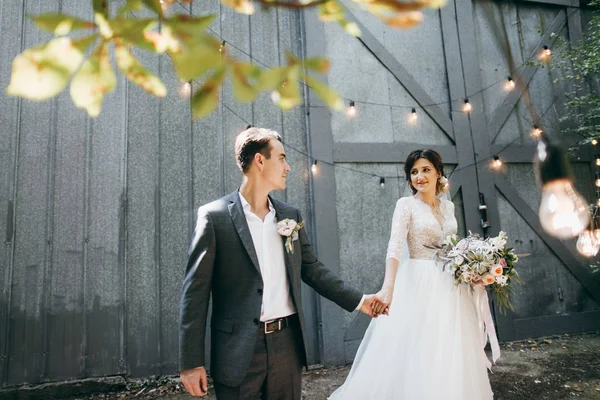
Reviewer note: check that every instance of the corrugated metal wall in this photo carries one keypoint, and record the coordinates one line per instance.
(98, 213)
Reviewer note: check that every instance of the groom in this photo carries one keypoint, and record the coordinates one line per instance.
(239, 255)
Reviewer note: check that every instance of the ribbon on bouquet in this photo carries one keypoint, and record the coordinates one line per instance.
(484, 315)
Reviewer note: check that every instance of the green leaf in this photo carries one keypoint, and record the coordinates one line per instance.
(100, 7)
(42, 72)
(287, 95)
(329, 96)
(137, 32)
(94, 79)
(154, 5)
(318, 64)
(206, 98)
(135, 72)
(270, 78)
(188, 27)
(244, 81)
(192, 63)
(61, 24)
(131, 5)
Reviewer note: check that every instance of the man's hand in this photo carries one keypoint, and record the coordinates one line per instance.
(370, 302)
(194, 381)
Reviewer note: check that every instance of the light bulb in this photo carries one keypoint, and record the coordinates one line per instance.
(598, 161)
(594, 142)
(497, 163)
(536, 133)
(351, 111)
(547, 51)
(587, 244)
(222, 47)
(598, 182)
(467, 106)
(510, 84)
(413, 114)
(185, 89)
(382, 182)
(314, 167)
(563, 212)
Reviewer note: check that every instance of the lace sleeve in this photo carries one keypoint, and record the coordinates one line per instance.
(400, 223)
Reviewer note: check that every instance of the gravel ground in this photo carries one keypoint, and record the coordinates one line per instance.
(560, 367)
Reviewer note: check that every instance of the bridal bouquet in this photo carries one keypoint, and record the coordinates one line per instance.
(482, 262)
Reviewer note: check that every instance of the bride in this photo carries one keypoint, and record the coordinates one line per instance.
(430, 346)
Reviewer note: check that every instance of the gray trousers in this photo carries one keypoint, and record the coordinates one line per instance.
(275, 370)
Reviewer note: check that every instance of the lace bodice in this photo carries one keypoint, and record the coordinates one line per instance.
(415, 224)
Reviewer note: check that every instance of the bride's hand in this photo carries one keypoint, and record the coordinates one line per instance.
(383, 300)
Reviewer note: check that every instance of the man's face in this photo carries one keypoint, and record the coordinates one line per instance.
(276, 168)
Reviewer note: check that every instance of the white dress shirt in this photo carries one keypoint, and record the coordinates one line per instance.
(268, 243)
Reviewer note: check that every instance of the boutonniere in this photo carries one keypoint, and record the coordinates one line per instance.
(289, 228)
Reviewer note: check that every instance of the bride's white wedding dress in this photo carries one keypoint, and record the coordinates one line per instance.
(430, 345)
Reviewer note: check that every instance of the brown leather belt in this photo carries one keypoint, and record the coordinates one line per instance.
(275, 325)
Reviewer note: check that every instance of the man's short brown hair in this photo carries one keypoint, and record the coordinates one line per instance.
(251, 141)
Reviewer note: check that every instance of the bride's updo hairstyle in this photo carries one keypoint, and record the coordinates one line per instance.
(435, 159)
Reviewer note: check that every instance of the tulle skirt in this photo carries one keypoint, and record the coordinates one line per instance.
(429, 347)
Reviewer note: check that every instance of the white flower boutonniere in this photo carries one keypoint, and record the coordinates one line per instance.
(289, 228)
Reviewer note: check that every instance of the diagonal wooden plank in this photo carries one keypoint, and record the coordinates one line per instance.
(582, 274)
(386, 152)
(404, 77)
(503, 111)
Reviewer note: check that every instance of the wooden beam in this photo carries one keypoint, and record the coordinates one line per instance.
(503, 111)
(404, 77)
(582, 274)
(386, 152)
(526, 328)
(565, 3)
(467, 177)
(525, 154)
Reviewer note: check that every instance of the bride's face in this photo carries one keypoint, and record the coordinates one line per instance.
(424, 176)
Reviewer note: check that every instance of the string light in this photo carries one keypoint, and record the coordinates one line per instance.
(467, 106)
(547, 51)
(510, 84)
(382, 182)
(497, 163)
(594, 142)
(413, 115)
(597, 180)
(597, 160)
(222, 47)
(351, 111)
(185, 89)
(314, 167)
(536, 132)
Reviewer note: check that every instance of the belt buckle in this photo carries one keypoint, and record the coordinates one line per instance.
(278, 327)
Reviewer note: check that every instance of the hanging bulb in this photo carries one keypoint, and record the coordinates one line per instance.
(351, 110)
(413, 115)
(185, 89)
(382, 182)
(597, 180)
(598, 160)
(536, 133)
(467, 106)
(594, 142)
(587, 244)
(497, 163)
(547, 51)
(510, 84)
(314, 167)
(222, 47)
(563, 212)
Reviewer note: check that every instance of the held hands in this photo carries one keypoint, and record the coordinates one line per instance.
(383, 301)
(195, 381)
(373, 305)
